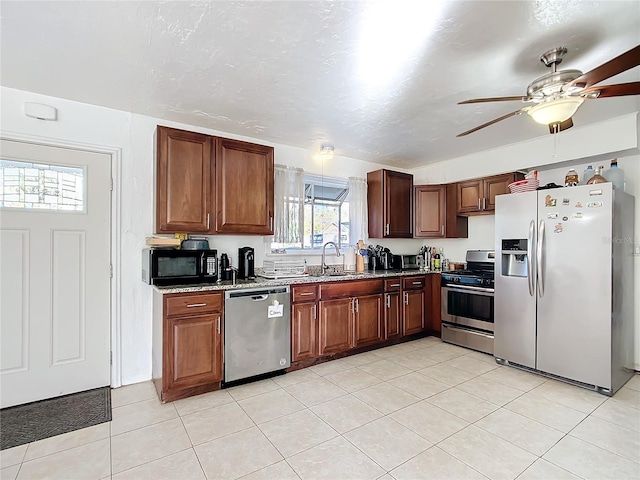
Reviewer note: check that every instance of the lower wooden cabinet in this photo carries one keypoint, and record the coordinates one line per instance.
(304, 331)
(413, 308)
(392, 308)
(368, 327)
(187, 344)
(335, 326)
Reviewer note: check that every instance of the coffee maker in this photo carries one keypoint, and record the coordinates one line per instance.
(246, 263)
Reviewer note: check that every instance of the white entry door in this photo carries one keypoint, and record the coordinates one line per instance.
(55, 216)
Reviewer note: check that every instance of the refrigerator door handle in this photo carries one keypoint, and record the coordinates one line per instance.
(539, 259)
(530, 261)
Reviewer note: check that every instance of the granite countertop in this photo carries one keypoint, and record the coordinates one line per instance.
(264, 282)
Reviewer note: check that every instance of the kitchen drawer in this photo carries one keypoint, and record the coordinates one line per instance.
(304, 293)
(413, 283)
(355, 288)
(192, 304)
(392, 285)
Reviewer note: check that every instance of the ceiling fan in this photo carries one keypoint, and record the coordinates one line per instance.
(556, 96)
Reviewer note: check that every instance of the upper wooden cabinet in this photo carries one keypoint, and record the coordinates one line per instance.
(436, 212)
(244, 187)
(212, 185)
(184, 181)
(390, 204)
(476, 197)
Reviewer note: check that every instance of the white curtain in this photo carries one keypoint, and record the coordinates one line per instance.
(288, 192)
(358, 219)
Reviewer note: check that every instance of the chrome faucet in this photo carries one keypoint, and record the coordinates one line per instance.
(324, 264)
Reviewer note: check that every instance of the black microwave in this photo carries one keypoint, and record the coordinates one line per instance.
(167, 266)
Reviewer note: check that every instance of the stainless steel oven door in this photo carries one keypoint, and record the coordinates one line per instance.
(468, 306)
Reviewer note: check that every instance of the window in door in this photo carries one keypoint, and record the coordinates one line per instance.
(31, 186)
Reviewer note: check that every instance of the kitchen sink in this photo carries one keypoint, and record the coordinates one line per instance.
(332, 274)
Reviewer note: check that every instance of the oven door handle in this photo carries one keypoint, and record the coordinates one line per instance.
(469, 289)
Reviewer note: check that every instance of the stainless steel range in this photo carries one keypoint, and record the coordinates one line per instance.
(467, 303)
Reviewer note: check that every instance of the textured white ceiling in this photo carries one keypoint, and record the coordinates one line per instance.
(378, 80)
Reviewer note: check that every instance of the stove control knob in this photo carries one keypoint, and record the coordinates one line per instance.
(456, 279)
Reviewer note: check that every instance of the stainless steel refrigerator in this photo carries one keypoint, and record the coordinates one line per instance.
(564, 287)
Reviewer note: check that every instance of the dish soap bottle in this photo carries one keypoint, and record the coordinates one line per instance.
(597, 178)
(588, 173)
(615, 175)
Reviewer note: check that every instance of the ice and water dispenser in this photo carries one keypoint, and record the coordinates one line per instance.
(515, 258)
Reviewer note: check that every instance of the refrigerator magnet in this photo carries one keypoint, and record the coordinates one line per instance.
(578, 204)
(552, 215)
(566, 201)
(564, 219)
(593, 193)
(577, 215)
(549, 201)
(557, 228)
(594, 204)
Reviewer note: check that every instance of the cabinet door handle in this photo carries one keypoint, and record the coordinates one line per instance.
(416, 283)
(394, 285)
(357, 305)
(218, 325)
(442, 229)
(351, 303)
(191, 305)
(305, 294)
(208, 218)
(387, 229)
(270, 223)
(479, 207)
(406, 298)
(484, 203)
(388, 301)
(315, 312)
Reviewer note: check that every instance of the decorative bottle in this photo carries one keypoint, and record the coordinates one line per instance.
(615, 175)
(586, 176)
(571, 179)
(597, 178)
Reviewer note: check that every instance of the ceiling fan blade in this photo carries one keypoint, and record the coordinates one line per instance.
(560, 126)
(496, 120)
(494, 99)
(616, 65)
(618, 90)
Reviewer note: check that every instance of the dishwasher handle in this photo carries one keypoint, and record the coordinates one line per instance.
(254, 292)
(259, 298)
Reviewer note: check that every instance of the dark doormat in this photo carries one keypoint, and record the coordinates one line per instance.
(46, 418)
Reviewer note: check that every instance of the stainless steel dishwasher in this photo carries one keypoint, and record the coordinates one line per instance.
(257, 332)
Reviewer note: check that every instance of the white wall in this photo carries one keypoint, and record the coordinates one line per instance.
(133, 135)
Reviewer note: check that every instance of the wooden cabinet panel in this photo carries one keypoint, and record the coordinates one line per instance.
(355, 288)
(193, 304)
(184, 181)
(334, 325)
(193, 351)
(413, 312)
(436, 212)
(478, 196)
(414, 283)
(244, 199)
(304, 293)
(368, 327)
(392, 314)
(392, 285)
(495, 186)
(304, 331)
(430, 211)
(433, 315)
(470, 196)
(390, 204)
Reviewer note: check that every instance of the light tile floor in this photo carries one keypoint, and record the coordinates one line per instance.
(423, 409)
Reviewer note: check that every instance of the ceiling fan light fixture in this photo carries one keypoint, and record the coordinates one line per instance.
(555, 111)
